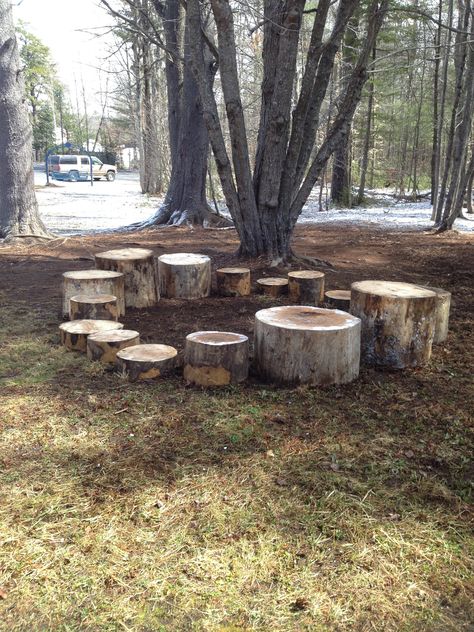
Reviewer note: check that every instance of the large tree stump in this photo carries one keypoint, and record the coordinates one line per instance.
(103, 346)
(233, 281)
(93, 307)
(304, 344)
(93, 282)
(138, 267)
(398, 322)
(216, 358)
(184, 275)
(306, 287)
(74, 334)
(146, 362)
(273, 286)
(443, 305)
(338, 299)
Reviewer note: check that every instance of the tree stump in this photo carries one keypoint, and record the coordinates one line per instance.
(93, 307)
(138, 267)
(74, 334)
(233, 282)
(443, 305)
(146, 362)
(306, 287)
(93, 282)
(273, 286)
(104, 345)
(216, 358)
(338, 299)
(398, 322)
(304, 344)
(184, 275)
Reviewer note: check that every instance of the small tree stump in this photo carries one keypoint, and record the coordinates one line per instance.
(93, 307)
(184, 275)
(216, 358)
(303, 344)
(273, 286)
(146, 362)
(443, 305)
(93, 282)
(338, 299)
(138, 267)
(104, 345)
(74, 334)
(306, 287)
(233, 282)
(398, 322)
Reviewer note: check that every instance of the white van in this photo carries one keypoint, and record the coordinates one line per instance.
(74, 168)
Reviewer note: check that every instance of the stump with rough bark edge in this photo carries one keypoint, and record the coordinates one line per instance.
(104, 345)
(184, 275)
(398, 322)
(147, 362)
(273, 286)
(305, 344)
(216, 358)
(443, 305)
(338, 299)
(306, 287)
(93, 282)
(233, 282)
(93, 307)
(74, 334)
(139, 269)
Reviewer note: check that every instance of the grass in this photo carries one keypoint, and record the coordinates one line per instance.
(162, 507)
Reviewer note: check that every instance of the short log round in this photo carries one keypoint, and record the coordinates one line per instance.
(305, 344)
(74, 334)
(306, 287)
(398, 322)
(138, 267)
(216, 358)
(93, 282)
(233, 281)
(443, 305)
(146, 362)
(103, 346)
(273, 286)
(184, 275)
(338, 299)
(93, 307)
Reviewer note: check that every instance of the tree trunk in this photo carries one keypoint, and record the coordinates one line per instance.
(368, 134)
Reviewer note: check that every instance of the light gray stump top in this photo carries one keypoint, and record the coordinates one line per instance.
(306, 318)
(392, 289)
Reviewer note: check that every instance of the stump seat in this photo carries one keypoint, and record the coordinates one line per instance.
(93, 282)
(273, 286)
(146, 362)
(103, 346)
(306, 287)
(443, 305)
(93, 307)
(184, 275)
(338, 299)
(216, 358)
(74, 333)
(233, 281)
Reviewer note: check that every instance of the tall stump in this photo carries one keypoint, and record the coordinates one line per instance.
(398, 322)
(306, 287)
(74, 334)
(93, 282)
(338, 299)
(443, 306)
(184, 275)
(303, 344)
(147, 362)
(103, 346)
(216, 358)
(233, 281)
(88, 306)
(273, 286)
(138, 267)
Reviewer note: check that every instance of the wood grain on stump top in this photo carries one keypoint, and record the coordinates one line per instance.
(234, 270)
(114, 336)
(306, 274)
(93, 298)
(216, 337)
(87, 326)
(392, 289)
(184, 259)
(125, 254)
(147, 353)
(273, 281)
(82, 275)
(306, 318)
(342, 295)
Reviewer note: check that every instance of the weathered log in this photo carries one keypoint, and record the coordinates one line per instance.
(398, 322)
(273, 286)
(103, 346)
(216, 358)
(74, 334)
(93, 307)
(93, 282)
(306, 287)
(338, 299)
(146, 362)
(139, 269)
(184, 275)
(304, 344)
(443, 305)
(233, 281)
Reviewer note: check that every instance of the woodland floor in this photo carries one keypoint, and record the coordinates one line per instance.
(157, 507)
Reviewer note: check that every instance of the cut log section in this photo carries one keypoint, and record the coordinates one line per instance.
(443, 305)
(273, 286)
(306, 287)
(184, 275)
(304, 344)
(93, 307)
(93, 282)
(138, 267)
(104, 345)
(216, 358)
(398, 322)
(338, 299)
(74, 334)
(233, 282)
(146, 362)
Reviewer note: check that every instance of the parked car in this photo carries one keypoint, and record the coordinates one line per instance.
(74, 168)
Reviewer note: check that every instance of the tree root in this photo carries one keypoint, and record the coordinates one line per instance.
(310, 262)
